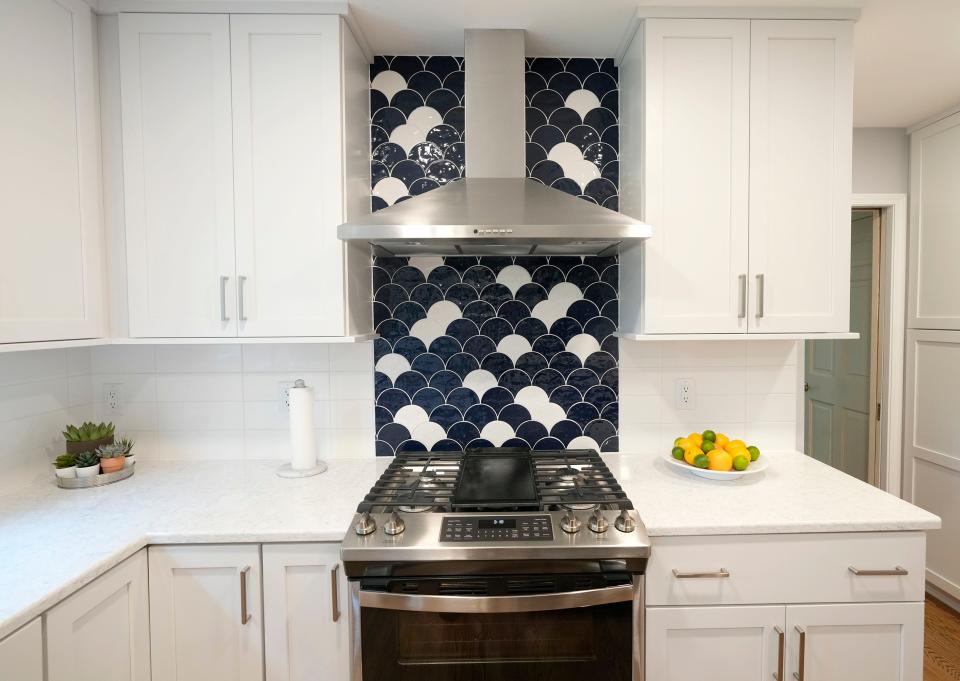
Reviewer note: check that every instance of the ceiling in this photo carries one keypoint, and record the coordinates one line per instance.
(907, 51)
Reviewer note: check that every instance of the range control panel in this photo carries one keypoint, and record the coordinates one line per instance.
(497, 528)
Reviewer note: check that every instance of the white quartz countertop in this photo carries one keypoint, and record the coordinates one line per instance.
(54, 541)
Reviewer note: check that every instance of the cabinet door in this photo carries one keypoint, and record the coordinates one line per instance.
(101, 633)
(697, 175)
(288, 178)
(51, 281)
(801, 127)
(205, 614)
(862, 642)
(178, 174)
(718, 643)
(305, 613)
(21, 653)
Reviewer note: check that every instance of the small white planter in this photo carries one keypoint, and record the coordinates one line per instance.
(68, 472)
(89, 471)
(129, 461)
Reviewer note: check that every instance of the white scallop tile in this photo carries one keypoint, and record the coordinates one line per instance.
(566, 293)
(582, 101)
(583, 442)
(425, 117)
(513, 346)
(428, 433)
(549, 414)
(427, 330)
(497, 432)
(411, 416)
(583, 345)
(549, 311)
(531, 396)
(426, 263)
(408, 136)
(390, 189)
(513, 277)
(392, 365)
(444, 312)
(480, 381)
(389, 83)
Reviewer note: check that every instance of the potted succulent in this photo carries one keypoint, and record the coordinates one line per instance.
(130, 457)
(65, 466)
(112, 457)
(88, 464)
(88, 437)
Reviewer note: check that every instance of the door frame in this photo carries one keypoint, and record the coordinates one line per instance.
(892, 346)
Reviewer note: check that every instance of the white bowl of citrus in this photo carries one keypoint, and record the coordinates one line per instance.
(715, 456)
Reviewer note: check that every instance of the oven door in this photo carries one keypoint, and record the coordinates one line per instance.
(566, 636)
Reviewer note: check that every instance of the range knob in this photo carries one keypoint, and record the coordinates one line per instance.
(570, 523)
(365, 525)
(598, 523)
(624, 522)
(395, 525)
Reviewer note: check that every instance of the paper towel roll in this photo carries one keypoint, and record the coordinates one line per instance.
(303, 446)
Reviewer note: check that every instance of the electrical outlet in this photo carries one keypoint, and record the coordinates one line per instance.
(686, 394)
(113, 397)
(285, 395)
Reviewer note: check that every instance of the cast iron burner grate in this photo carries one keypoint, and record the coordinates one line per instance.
(453, 482)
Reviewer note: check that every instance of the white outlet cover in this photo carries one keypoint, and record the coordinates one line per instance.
(686, 394)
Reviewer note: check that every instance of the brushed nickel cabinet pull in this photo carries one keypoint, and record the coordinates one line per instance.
(895, 572)
(244, 615)
(240, 281)
(742, 310)
(719, 574)
(778, 675)
(798, 675)
(759, 296)
(223, 299)
(334, 591)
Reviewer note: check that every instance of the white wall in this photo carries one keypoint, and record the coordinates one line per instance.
(881, 161)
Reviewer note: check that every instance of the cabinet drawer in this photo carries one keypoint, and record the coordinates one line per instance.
(801, 568)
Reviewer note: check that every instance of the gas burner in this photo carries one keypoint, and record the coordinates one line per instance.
(568, 473)
(579, 507)
(415, 509)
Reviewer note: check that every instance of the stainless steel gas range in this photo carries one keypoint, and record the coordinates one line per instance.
(496, 564)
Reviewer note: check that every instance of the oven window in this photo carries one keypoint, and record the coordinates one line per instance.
(558, 645)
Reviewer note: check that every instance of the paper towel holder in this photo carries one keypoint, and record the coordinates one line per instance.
(287, 470)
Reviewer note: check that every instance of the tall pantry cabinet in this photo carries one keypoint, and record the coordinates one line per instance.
(245, 144)
(736, 147)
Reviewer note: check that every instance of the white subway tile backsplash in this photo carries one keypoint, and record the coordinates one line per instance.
(640, 409)
(638, 381)
(79, 362)
(772, 352)
(123, 359)
(21, 400)
(286, 357)
(265, 387)
(200, 444)
(707, 380)
(269, 416)
(351, 414)
(772, 407)
(199, 387)
(345, 443)
(34, 365)
(639, 355)
(200, 416)
(779, 379)
(352, 385)
(772, 434)
(80, 390)
(351, 356)
(198, 358)
(134, 387)
(704, 354)
(133, 416)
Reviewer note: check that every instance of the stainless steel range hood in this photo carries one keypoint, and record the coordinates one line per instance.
(495, 210)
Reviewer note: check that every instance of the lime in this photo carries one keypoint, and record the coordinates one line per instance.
(677, 441)
(677, 453)
(754, 453)
(741, 462)
(701, 461)
(708, 446)
(709, 435)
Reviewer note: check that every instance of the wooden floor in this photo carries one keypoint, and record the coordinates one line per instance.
(941, 645)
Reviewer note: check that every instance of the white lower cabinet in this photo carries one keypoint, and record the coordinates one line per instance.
(305, 614)
(21, 653)
(101, 633)
(205, 615)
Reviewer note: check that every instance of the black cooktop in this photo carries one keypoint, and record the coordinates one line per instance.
(495, 479)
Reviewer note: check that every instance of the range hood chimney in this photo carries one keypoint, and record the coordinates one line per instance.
(495, 209)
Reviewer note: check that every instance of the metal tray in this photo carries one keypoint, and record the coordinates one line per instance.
(96, 480)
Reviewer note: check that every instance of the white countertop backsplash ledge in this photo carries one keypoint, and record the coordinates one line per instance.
(55, 541)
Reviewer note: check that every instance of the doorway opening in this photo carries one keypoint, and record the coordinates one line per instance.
(842, 378)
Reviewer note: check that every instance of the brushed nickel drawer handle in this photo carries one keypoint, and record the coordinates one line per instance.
(334, 592)
(798, 675)
(742, 311)
(240, 282)
(778, 675)
(719, 574)
(895, 572)
(244, 615)
(759, 296)
(223, 299)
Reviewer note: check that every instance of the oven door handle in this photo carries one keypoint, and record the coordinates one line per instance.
(490, 604)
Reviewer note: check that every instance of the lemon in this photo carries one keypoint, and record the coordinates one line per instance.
(721, 440)
(709, 435)
(707, 446)
(754, 452)
(677, 441)
(677, 453)
(740, 462)
(701, 461)
(720, 461)
(683, 443)
(695, 438)
(691, 454)
(737, 443)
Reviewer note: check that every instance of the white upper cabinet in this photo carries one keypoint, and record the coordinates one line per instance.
(801, 135)
(237, 137)
(178, 174)
(51, 281)
(736, 148)
(287, 174)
